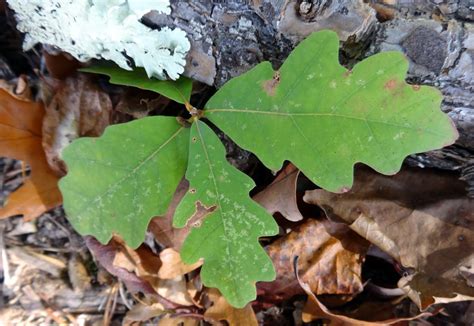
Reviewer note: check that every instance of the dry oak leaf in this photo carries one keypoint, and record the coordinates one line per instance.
(172, 265)
(105, 256)
(61, 65)
(182, 321)
(314, 310)
(280, 195)
(141, 261)
(79, 108)
(222, 310)
(20, 138)
(142, 312)
(138, 269)
(421, 218)
(330, 260)
(18, 88)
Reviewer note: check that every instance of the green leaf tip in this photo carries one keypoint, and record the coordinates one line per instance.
(176, 90)
(116, 183)
(226, 223)
(325, 118)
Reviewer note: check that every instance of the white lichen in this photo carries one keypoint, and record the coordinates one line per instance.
(105, 29)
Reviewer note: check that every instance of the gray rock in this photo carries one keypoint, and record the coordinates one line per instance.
(230, 37)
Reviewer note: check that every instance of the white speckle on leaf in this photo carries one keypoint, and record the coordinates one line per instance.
(105, 29)
(398, 136)
(210, 194)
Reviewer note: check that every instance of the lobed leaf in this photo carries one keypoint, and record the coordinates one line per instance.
(116, 183)
(227, 223)
(324, 118)
(176, 90)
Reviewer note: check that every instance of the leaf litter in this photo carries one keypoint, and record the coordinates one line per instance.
(425, 210)
(21, 137)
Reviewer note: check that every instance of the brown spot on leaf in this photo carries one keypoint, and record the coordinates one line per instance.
(200, 214)
(269, 86)
(416, 87)
(390, 85)
(347, 73)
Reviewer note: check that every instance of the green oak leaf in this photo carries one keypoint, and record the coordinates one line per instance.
(324, 118)
(116, 183)
(176, 90)
(226, 235)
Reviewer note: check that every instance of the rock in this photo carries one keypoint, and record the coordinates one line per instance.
(426, 47)
(298, 19)
(230, 37)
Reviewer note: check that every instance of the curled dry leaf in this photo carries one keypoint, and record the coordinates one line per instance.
(138, 269)
(141, 261)
(330, 260)
(172, 265)
(105, 255)
(79, 108)
(280, 195)
(18, 88)
(222, 310)
(20, 138)
(314, 309)
(421, 218)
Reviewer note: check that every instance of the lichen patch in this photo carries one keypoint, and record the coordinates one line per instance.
(108, 30)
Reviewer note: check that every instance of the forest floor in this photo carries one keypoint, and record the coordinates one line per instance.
(51, 275)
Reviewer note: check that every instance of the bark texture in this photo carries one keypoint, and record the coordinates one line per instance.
(230, 37)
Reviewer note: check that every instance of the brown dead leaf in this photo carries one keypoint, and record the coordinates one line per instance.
(144, 261)
(222, 310)
(162, 226)
(79, 108)
(176, 291)
(20, 138)
(330, 260)
(78, 274)
(139, 103)
(142, 312)
(138, 269)
(314, 310)
(173, 321)
(172, 265)
(105, 255)
(61, 65)
(421, 218)
(280, 195)
(18, 88)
